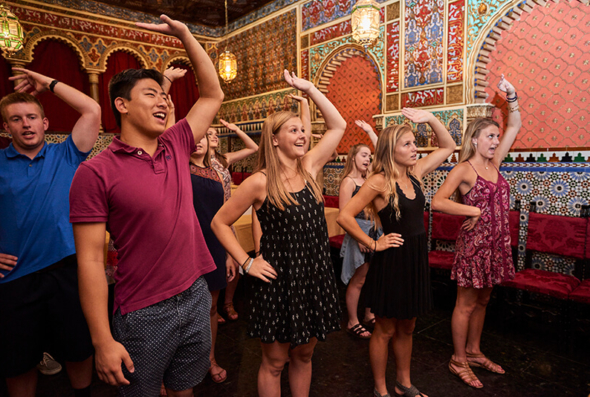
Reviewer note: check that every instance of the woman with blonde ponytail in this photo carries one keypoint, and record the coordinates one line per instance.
(292, 293)
(398, 280)
(483, 256)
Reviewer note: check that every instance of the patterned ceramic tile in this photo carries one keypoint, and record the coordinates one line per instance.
(393, 57)
(455, 41)
(318, 12)
(543, 57)
(256, 108)
(423, 42)
(330, 33)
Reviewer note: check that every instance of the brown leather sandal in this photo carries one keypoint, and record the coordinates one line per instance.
(231, 312)
(487, 364)
(465, 373)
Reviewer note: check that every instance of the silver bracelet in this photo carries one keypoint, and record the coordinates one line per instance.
(247, 268)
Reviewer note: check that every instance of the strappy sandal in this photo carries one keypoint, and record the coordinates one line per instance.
(358, 331)
(377, 394)
(231, 311)
(465, 373)
(217, 377)
(411, 391)
(487, 364)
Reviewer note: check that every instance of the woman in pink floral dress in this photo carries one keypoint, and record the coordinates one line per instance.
(483, 254)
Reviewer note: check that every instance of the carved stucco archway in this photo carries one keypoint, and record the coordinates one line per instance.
(58, 36)
(102, 64)
(326, 71)
(179, 59)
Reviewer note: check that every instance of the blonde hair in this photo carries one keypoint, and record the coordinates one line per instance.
(350, 159)
(384, 163)
(207, 158)
(473, 130)
(268, 159)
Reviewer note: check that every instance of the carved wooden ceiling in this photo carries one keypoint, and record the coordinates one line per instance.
(203, 12)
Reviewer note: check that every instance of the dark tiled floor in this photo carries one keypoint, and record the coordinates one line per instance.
(537, 358)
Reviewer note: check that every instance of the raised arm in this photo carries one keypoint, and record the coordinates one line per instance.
(461, 177)
(171, 119)
(250, 149)
(364, 197)
(363, 125)
(89, 239)
(85, 131)
(446, 144)
(305, 116)
(210, 94)
(252, 191)
(514, 122)
(170, 76)
(317, 157)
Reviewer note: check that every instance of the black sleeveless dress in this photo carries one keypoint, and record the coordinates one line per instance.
(302, 303)
(398, 280)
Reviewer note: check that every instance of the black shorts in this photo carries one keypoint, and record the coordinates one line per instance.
(41, 312)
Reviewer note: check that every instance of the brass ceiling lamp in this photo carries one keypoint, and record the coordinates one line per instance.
(228, 65)
(12, 36)
(365, 22)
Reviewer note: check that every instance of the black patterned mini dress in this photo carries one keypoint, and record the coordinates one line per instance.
(302, 303)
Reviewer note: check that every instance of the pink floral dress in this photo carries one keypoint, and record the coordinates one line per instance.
(483, 256)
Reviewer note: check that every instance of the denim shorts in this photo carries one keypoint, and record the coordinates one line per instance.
(169, 341)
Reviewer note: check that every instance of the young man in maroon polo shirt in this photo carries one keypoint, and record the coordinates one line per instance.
(140, 189)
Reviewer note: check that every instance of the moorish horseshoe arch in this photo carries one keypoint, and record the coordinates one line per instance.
(58, 36)
(102, 64)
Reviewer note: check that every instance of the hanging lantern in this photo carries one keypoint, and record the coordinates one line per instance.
(365, 22)
(228, 66)
(12, 36)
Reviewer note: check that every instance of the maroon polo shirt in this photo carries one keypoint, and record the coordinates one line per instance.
(147, 204)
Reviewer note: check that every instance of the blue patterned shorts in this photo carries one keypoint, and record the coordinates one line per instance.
(169, 341)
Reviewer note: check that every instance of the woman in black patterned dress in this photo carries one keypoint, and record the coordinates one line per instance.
(293, 296)
(398, 279)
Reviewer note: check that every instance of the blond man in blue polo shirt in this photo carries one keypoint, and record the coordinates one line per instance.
(40, 307)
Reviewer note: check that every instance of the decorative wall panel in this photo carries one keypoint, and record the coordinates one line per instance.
(355, 90)
(479, 13)
(256, 108)
(423, 98)
(318, 12)
(262, 61)
(305, 64)
(393, 57)
(318, 54)
(330, 33)
(423, 42)
(544, 56)
(455, 41)
(453, 120)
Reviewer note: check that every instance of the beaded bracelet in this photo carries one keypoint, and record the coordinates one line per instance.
(510, 100)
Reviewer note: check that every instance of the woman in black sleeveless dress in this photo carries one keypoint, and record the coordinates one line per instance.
(293, 297)
(398, 281)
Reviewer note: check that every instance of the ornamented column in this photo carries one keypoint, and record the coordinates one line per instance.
(17, 63)
(477, 110)
(93, 78)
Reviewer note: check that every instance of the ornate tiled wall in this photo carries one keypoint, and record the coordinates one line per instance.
(557, 188)
(261, 61)
(545, 55)
(452, 119)
(318, 12)
(257, 108)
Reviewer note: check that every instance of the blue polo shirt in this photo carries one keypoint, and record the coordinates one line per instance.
(35, 206)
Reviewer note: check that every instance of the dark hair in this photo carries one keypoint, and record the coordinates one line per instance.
(123, 82)
(18, 97)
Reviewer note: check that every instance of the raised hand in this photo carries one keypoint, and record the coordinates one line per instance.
(169, 27)
(31, 81)
(174, 74)
(505, 86)
(296, 82)
(364, 126)
(298, 98)
(388, 241)
(230, 126)
(262, 269)
(417, 115)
